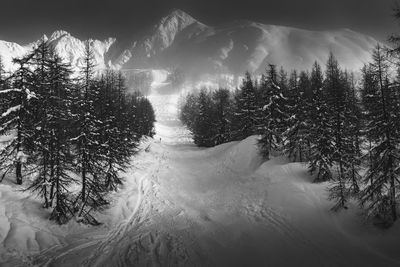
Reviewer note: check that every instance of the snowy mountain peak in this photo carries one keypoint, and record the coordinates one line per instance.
(168, 27)
(159, 39)
(179, 40)
(177, 16)
(44, 38)
(58, 34)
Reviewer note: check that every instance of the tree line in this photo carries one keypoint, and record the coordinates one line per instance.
(347, 131)
(66, 129)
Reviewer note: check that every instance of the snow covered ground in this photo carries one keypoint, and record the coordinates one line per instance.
(186, 206)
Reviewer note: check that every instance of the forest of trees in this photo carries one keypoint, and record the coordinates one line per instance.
(347, 131)
(67, 132)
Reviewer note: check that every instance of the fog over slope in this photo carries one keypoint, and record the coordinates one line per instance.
(180, 41)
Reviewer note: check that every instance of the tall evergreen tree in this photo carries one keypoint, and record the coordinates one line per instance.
(354, 132)
(61, 157)
(203, 134)
(87, 143)
(244, 120)
(15, 120)
(222, 116)
(297, 135)
(339, 113)
(2, 74)
(3, 86)
(320, 134)
(382, 178)
(283, 82)
(292, 95)
(146, 117)
(38, 145)
(274, 114)
(188, 110)
(369, 86)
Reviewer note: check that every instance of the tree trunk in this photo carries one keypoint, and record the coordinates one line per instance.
(18, 167)
(392, 191)
(18, 172)
(84, 177)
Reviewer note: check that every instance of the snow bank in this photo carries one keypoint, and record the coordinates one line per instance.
(242, 157)
(186, 206)
(24, 228)
(267, 210)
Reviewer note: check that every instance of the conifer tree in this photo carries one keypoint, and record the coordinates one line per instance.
(3, 86)
(274, 114)
(244, 120)
(119, 141)
(86, 140)
(110, 135)
(38, 145)
(61, 157)
(320, 134)
(354, 132)
(2, 75)
(16, 119)
(297, 135)
(283, 82)
(188, 110)
(337, 94)
(146, 117)
(382, 178)
(222, 116)
(292, 95)
(369, 85)
(203, 134)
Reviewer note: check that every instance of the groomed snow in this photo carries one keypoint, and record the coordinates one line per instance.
(186, 206)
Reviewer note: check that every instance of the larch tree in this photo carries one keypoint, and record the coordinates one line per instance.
(86, 140)
(3, 86)
(321, 145)
(222, 116)
(275, 114)
(15, 120)
(297, 144)
(382, 177)
(340, 112)
(202, 134)
(354, 134)
(39, 145)
(244, 119)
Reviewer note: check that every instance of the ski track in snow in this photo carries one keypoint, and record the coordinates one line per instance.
(221, 206)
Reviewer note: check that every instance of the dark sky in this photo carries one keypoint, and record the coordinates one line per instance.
(25, 20)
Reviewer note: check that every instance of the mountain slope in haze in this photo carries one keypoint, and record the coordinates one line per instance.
(180, 41)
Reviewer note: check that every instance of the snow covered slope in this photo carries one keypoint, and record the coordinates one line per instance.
(180, 41)
(224, 207)
(186, 206)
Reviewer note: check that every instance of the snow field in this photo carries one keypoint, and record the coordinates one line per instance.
(223, 206)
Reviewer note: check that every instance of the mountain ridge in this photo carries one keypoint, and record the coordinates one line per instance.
(180, 41)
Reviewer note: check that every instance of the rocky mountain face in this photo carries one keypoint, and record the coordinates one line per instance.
(67, 46)
(179, 41)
